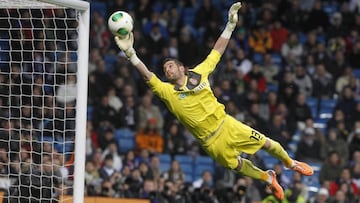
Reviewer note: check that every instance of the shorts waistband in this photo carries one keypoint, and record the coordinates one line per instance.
(213, 133)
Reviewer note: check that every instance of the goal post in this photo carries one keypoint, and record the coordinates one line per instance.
(44, 46)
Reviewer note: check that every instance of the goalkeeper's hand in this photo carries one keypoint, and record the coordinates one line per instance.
(126, 44)
(233, 16)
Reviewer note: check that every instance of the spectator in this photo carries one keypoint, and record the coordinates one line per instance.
(299, 112)
(66, 93)
(104, 114)
(343, 80)
(92, 176)
(242, 63)
(354, 57)
(310, 44)
(317, 19)
(279, 35)
(309, 147)
(207, 13)
(147, 111)
(336, 28)
(175, 141)
(112, 148)
(107, 171)
(206, 180)
(322, 196)
(149, 138)
(354, 139)
(277, 130)
(321, 55)
(114, 101)
(283, 180)
(174, 173)
(155, 167)
(288, 89)
(260, 40)
(334, 143)
(256, 74)
(303, 81)
(129, 160)
(128, 115)
(269, 69)
(347, 104)
(144, 156)
(188, 49)
(106, 138)
(145, 171)
(293, 17)
(258, 113)
(345, 178)
(323, 83)
(99, 33)
(292, 50)
(331, 168)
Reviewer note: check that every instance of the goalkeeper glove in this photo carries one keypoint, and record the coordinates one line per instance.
(232, 20)
(126, 45)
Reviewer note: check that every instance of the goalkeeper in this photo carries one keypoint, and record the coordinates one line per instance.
(189, 97)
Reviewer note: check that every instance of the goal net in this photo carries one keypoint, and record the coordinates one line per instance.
(43, 91)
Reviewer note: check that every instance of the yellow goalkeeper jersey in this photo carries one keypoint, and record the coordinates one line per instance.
(193, 104)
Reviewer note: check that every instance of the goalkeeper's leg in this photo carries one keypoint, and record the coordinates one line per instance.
(276, 150)
(247, 168)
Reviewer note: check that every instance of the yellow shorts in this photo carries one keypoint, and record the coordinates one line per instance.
(231, 139)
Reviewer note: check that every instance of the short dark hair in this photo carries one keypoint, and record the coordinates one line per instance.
(179, 63)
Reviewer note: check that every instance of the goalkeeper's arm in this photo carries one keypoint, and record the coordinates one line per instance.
(223, 40)
(126, 45)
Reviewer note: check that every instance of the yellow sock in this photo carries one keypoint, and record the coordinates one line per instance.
(277, 151)
(250, 170)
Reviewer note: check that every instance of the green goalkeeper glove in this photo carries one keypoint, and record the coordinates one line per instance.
(232, 20)
(126, 45)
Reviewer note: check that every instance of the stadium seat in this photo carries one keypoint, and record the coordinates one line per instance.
(189, 16)
(326, 112)
(311, 101)
(277, 59)
(314, 111)
(288, 172)
(124, 133)
(302, 37)
(356, 73)
(164, 166)
(186, 168)
(272, 87)
(328, 103)
(164, 158)
(258, 58)
(110, 61)
(270, 162)
(126, 144)
(199, 169)
(330, 9)
(204, 160)
(100, 7)
(189, 178)
(184, 159)
(90, 110)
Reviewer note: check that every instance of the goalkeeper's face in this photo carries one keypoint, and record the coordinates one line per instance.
(173, 71)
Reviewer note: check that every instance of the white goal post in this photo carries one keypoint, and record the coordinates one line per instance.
(44, 46)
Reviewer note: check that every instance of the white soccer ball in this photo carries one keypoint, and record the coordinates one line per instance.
(120, 23)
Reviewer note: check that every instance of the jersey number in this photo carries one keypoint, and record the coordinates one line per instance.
(255, 135)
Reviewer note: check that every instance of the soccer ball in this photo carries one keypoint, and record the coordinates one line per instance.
(120, 23)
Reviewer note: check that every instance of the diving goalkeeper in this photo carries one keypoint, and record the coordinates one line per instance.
(189, 97)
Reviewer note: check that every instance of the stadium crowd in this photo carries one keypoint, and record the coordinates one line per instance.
(291, 71)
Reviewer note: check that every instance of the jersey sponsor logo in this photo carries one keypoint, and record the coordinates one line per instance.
(193, 80)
